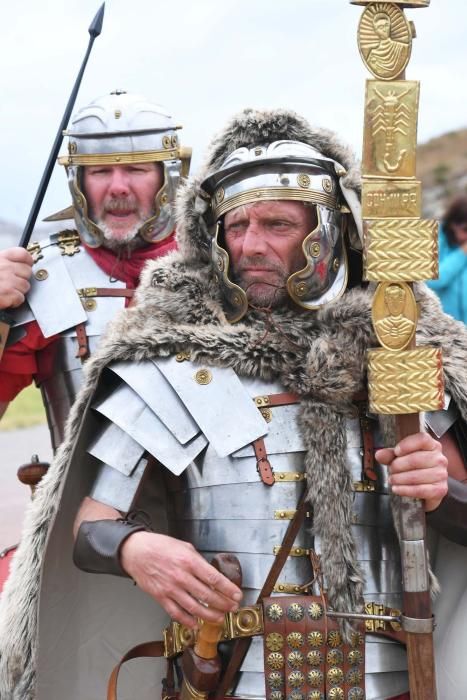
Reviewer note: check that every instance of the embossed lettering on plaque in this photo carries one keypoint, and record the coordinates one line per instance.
(389, 199)
(390, 133)
(400, 250)
(384, 40)
(394, 315)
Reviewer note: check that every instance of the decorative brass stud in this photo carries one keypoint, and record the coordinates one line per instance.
(118, 113)
(315, 639)
(335, 657)
(275, 661)
(72, 147)
(301, 289)
(296, 679)
(356, 639)
(248, 620)
(295, 612)
(267, 414)
(295, 640)
(89, 304)
(203, 376)
(354, 676)
(314, 678)
(274, 612)
(295, 659)
(275, 680)
(327, 184)
(183, 356)
(315, 695)
(166, 141)
(174, 141)
(237, 300)
(315, 249)
(303, 180)
(258, 151)
(336, 693)
(335, 264)
(356, 694)
(41, 275)
(355, 657)
(315, 611)
(276, 695)
(296, 695)
(334, 639)
(335, 675)
(164, 199)
(314, 658)
(219, 196)
(274, 641)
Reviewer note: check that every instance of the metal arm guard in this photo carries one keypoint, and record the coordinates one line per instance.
(450, 518)
(98, 543)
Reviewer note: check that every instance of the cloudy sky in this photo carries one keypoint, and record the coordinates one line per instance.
(204, 60)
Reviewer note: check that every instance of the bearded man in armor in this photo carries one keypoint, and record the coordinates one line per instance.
(233, 389)
(124, 164)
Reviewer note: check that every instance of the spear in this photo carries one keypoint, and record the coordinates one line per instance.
(95, 29)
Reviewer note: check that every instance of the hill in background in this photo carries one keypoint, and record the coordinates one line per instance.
(442, 168)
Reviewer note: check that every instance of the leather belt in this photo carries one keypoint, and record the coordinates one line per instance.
(87, 292)
(248, 621)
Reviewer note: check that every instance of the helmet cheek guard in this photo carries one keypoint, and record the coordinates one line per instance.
(285, 170)
(122, 129)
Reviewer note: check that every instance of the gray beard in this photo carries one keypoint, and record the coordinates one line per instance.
(130, 241)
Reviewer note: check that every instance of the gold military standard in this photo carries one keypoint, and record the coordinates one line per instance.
(390, 133)
(407, 381)
(389, 199)
(400, 250)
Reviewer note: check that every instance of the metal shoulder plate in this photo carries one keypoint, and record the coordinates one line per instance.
(62, 273)
(171, 410)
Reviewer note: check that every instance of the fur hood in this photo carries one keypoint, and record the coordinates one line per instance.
(250, 128)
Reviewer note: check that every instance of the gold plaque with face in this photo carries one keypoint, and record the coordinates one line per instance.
(384, 40)
(390, 131)
(389, 199)
(394, 315)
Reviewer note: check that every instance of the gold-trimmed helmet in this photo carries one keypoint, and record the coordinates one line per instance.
(284, 170)
(123, 128)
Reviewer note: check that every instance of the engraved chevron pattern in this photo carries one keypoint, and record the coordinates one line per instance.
(401, 250)
(407, 381)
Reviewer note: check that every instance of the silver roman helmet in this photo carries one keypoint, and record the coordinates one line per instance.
(118, 129)
(287, 170)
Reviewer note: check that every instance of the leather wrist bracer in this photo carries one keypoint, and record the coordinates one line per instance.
(98, 543)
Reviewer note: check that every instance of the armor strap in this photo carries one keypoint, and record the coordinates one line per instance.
(241, 646)
(89, 292)
(147, 650)
(82, 338)
(263, 464)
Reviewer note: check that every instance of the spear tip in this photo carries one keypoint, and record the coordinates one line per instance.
(95, 27)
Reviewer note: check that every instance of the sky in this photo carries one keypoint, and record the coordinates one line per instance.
(204, 60)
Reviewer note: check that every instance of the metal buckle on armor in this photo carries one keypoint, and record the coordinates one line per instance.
(68, 242)
(294, 552)
(86, 292)
(35, 250)
(364, 486)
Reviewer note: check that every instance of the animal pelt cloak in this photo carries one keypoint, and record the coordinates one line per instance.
(320, 355)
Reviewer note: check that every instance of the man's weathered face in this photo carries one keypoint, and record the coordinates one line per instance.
(121, 197)
(264, 244)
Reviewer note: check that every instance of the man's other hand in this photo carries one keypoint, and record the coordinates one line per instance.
(15, 271)
(178, 577)
(417, 468)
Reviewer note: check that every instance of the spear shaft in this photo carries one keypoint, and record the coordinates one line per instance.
(95, 29)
